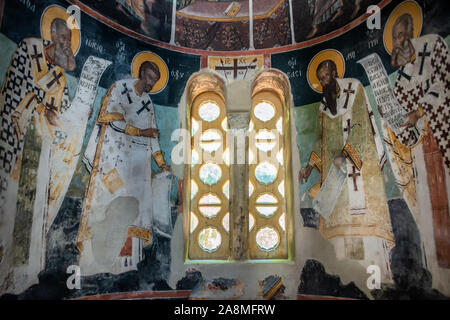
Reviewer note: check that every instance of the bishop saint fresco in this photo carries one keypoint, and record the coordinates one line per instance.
(349, 196)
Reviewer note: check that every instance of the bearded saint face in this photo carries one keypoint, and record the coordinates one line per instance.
(327, 78)
(403, 50)
(62, 38)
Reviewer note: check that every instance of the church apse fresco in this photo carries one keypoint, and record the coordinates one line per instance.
(343, 191)
(224, 25)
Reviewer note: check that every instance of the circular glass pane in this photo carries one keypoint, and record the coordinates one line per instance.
(209, 239)
(194, 222)
(211, 140)
(251, 188)
(265, 140)
(266, 173)
(210, 174)
(264, 111)
(209, 111)
(226, 222)
(267, 239)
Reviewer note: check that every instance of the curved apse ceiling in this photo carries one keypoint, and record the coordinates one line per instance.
(223, 25)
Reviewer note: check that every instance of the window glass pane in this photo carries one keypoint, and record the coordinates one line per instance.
(209, 199)
(281, 188)
(209, 212)
(225, 124)
(264, 111)
(266, 198)
(226, 222)
(195, 126)
(226, 189)
(280, 157)
(267, 239)
(280, 126)
(266, 173)
(282, 221)
(266, 211)
(209, 111)
(226, 156)
(250, 126)
(209, 239)
(211, 140)
(195, 158)
(194, 189)
(210, 173)
(194, 222)
(265, 140)
(251, 188)
(251, 221)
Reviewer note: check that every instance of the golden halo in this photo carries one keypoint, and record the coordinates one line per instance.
(414, 10)
(328, 54)
(54, 12)
(144, 56)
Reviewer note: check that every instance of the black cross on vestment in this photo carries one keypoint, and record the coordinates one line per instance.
(37, 56)
(51, 105)
(423, 55)
(348, 128)
(354, 176)
(402, 73)
(145, 105)
(55, 79)
(348, 92)
(235, 68)
(127, 92)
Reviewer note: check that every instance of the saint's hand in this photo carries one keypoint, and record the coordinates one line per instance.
(52, 117)
(339, 161)
(304, 174)
(411, 119)
(150, 133)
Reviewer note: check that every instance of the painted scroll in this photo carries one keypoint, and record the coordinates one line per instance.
(392, 111)
(72, 130)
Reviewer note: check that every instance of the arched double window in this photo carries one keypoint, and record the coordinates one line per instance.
(264, 231)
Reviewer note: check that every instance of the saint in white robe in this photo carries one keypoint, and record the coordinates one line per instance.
(120, 162)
